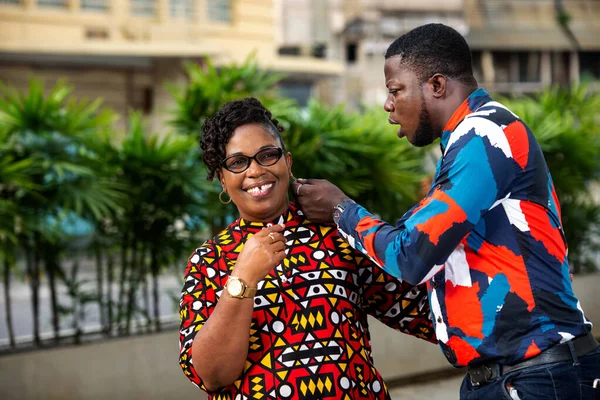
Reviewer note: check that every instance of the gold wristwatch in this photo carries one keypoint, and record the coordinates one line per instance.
(237, 288)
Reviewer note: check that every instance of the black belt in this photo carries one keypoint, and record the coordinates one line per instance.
(481, 374)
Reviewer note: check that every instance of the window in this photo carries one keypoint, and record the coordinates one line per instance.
(94, 5)
(15, 2)
(218, 10)
(142, 8)
(351, 53)
(53, 3)
(181, 8)
(589, 64)
(529, 66)
(299, 91)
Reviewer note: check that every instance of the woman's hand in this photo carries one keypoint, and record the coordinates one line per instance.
(260, 254)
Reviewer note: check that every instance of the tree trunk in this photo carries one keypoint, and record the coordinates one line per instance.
(100, 286)
(124, 267)
(7, 300)
(133, 277)
(51, 269)
(154, 268)
(76, 303)
(33, 261)
(145, 292)
(109, 295)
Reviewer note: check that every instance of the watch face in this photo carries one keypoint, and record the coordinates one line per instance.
(234, 287)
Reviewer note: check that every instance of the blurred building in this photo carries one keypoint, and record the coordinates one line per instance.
(518, 46)
(127, 51)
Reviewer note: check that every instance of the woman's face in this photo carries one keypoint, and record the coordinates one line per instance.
(260, 192)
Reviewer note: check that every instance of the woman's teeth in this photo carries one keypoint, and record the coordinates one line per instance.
(260, 189)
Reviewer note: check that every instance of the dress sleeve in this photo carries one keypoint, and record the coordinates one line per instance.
(198, 300)
(399, 305)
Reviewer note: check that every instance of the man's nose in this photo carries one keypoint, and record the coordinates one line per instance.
(389, 104)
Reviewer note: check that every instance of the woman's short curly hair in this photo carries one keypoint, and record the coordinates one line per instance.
(217, 131)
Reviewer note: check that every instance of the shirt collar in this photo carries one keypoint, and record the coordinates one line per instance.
(475, 100)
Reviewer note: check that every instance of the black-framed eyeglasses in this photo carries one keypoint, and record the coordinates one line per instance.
(239, 163)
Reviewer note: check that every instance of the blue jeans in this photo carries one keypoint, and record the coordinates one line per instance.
(567, 380)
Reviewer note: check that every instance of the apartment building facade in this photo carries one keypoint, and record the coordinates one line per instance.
(127, 51)
(519, 46)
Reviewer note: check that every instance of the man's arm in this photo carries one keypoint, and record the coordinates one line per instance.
(476, 172)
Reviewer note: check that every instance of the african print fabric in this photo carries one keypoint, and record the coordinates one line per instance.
(309, 335)
(487, 239)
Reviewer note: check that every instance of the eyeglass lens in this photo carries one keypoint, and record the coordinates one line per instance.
(265, 157)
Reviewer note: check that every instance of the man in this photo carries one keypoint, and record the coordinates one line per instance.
(487, 238)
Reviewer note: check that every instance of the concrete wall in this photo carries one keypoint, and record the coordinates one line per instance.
(146, 367)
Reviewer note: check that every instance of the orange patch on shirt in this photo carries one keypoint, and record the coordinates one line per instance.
(365, 225)
(465, 353)
(542, 230)
(464, 309)
(519, 142)
(532, 350)
(492, 259)
(435, 226)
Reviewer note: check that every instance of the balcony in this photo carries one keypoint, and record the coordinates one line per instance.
(527, 24)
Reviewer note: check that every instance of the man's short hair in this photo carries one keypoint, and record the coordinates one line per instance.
(434, 48)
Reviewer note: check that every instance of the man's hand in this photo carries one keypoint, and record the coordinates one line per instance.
(317, 198)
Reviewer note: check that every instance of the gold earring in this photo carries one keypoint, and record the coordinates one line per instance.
(221, 197)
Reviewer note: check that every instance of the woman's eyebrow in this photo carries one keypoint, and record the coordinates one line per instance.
(239, 153)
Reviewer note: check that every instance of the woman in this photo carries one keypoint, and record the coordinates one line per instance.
(275, 306)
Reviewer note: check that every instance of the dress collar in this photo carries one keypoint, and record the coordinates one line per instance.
(475, 100)
(291, 213)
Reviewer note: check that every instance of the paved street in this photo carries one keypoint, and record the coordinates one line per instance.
(169, 284)
(446, 389)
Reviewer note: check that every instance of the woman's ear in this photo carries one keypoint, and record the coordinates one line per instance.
(288, 160)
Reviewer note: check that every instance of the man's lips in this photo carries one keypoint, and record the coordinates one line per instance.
(392, 121)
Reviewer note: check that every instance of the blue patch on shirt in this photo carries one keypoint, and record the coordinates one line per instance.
(482, 185)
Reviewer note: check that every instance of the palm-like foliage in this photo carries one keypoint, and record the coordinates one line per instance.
(165, 185)
(565, 122)
(209, 88)
(358, 152)
(51, 130)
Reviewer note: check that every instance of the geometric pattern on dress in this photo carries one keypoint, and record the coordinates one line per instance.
(309, 331)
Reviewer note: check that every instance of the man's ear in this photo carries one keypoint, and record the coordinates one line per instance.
(438, 83)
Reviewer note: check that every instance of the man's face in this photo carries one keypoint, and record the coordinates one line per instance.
(406, 104)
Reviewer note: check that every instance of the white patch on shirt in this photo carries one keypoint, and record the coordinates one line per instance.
(432, 272)
(483, 128)
(457, 268)
(515, 215)
(440, 327)
(500, 201)
(566, 336)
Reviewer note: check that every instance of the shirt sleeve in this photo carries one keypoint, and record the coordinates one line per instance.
(399, 305)
(476, 172)
(198, 300)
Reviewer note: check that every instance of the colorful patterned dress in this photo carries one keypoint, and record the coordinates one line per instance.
(309, 336)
